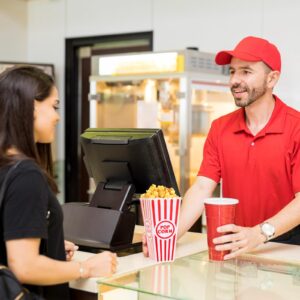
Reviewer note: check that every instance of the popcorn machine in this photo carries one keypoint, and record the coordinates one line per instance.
(180, 92)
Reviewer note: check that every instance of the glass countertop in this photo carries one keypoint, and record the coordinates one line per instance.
(195, 277)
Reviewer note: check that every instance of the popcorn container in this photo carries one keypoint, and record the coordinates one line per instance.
(161, 224)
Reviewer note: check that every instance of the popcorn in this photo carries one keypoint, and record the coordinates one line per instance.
(159, 191)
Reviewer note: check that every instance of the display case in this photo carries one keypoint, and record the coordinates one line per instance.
(180, 92)
(196, 278)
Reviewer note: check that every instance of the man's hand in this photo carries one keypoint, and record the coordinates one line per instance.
(238, 239)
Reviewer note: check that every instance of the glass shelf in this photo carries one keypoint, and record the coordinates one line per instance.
(195, 277)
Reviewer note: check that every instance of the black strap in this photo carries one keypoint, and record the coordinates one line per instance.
(291, 237)
(8, 174)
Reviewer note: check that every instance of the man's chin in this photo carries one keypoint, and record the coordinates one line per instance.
(240, 103)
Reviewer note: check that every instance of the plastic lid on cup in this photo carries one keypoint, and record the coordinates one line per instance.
(221, 201)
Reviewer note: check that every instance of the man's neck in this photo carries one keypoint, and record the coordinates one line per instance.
(259, 113)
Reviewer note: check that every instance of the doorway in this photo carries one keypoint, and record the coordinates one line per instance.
(79, 52)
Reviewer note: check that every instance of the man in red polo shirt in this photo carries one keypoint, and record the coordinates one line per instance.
(255, 150)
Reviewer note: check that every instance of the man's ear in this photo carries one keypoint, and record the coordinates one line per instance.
(273, 78)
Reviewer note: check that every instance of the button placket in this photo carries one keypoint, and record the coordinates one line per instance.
(252, 155)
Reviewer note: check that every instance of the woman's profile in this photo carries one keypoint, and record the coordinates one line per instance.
(31, 228)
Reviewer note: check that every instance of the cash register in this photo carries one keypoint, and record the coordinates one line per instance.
(123, 163)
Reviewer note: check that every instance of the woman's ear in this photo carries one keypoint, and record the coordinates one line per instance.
(34, 109)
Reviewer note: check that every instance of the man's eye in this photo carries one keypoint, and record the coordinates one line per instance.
(56, 107)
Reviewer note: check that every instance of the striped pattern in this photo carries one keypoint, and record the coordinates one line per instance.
(155, 211)
(161, 279)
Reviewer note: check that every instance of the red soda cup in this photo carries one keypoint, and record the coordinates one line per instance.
(219, 212)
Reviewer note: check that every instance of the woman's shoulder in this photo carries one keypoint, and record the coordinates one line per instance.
(28, 165)
(26, 173)
(28, 168)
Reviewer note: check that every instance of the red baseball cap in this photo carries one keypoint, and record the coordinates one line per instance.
(252, 49)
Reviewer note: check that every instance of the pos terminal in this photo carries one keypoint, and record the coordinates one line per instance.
(123, 164)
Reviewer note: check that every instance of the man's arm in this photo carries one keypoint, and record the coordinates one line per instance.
(287, 218)
(192, 203)
(245, 239)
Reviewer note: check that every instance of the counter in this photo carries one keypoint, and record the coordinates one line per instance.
(189, 244)
(272, 259)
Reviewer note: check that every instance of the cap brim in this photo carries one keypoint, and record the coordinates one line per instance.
(224, 57)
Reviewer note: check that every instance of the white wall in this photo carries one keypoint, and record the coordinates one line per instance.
(13, 30)
(46, 44)
(282, 25)
(99, 17)
(209, 25)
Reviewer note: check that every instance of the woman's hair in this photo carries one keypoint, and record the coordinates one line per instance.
(19, 87)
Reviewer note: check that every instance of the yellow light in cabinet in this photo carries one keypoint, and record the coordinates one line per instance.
(140, 63)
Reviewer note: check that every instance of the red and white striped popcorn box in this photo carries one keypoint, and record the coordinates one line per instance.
(161, 224)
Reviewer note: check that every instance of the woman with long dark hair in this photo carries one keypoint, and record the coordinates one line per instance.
(31, 227)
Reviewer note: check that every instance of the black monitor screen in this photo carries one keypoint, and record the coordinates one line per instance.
(136, 156)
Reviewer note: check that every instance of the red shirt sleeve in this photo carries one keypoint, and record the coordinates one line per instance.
(210, 166)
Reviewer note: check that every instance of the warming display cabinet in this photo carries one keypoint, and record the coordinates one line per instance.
(180, 92)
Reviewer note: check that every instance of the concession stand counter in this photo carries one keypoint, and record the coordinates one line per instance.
(271, 272)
